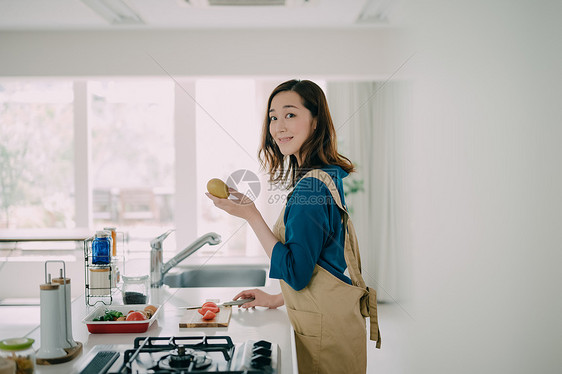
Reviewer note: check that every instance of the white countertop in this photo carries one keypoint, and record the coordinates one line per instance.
(260, 323)
(44, 235)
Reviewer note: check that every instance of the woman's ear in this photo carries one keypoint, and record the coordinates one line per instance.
(314, 123)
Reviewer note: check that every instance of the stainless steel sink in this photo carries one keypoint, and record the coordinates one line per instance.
(217, 276)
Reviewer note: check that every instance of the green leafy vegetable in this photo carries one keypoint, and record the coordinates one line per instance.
(109, 315)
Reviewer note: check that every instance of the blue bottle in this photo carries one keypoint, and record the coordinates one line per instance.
(101, 248)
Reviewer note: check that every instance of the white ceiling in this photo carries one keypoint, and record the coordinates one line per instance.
(167, 14)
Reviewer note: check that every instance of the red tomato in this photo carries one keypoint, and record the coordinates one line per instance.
(204, 309)
(135, 316)
(212, 306)
(209, 315)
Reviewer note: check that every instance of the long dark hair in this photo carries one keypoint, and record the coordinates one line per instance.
(318, 150)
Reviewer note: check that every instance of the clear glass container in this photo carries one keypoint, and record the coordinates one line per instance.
(19, 350)
(135, 289)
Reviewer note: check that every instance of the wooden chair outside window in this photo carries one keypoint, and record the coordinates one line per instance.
(137, 204)
(104, 205)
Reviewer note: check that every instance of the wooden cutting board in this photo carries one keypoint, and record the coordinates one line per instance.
(192, 318)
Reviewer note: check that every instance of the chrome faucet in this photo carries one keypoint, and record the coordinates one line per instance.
(158, 269)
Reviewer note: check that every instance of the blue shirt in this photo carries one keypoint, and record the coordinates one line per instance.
(313, 233)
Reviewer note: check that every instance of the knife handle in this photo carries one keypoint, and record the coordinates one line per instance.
(237, 302)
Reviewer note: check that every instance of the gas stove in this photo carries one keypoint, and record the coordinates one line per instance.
(186, 354)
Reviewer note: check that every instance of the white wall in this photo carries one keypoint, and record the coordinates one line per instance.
(366, 52)
(484, 179)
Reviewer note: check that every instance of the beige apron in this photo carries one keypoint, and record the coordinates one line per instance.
(328, 315)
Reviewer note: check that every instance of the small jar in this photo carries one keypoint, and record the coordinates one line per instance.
(101, 248)
(100, 283)
(20, 351)
(135, 289)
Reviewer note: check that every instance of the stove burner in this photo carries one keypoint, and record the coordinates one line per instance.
(185, 358)
(198, 354)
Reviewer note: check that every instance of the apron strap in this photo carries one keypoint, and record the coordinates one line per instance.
(375, 333)
(368, 302)
(351, 250)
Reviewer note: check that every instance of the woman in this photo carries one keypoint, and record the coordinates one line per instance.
(309, 245)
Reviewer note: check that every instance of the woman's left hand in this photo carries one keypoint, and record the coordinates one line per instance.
(242, 207)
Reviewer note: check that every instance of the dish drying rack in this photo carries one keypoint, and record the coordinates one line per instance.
(102, 281)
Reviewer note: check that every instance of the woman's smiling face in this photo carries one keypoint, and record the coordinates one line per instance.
(290, 123)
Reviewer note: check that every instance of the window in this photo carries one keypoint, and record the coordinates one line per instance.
(132, 141)
(228, 134)
(36, 155)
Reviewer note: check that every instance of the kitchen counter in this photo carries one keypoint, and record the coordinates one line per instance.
(255, 324)
(33, 235)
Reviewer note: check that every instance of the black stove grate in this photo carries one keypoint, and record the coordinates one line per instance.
(222, 344)
(154, 344)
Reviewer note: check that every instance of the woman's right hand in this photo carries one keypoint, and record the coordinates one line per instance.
(242, 207)
(260, 299)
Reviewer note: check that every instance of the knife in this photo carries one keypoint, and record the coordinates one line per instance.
(226, 303)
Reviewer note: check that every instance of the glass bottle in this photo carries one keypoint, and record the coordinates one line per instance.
(21, 351)
(115, 275)
(113, 232)
(101, 248)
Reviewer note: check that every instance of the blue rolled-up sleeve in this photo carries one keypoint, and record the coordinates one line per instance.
(307, 227)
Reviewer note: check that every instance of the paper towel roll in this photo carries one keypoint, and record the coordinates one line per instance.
(65, 295)
(51, 322)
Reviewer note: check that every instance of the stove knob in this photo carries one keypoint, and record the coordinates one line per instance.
(261, 351)
(259, 361)
(263, 343)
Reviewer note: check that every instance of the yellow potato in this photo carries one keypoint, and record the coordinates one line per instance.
(218, 188)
